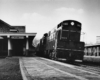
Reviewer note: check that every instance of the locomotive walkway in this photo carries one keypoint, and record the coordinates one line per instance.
(36, 68)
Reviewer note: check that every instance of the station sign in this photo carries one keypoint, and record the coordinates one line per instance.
(17, 37)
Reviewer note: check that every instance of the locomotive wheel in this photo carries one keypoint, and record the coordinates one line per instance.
(50, 55)
(54, 56)
(69, 58)
(45, 54)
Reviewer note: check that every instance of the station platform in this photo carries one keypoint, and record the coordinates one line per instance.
(36, 68)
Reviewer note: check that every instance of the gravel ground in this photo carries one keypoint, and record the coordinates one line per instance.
(9, 69)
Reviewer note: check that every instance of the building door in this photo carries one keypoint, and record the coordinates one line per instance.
(3, 46)
(18, 45)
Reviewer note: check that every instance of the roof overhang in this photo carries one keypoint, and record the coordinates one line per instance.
(18, 34)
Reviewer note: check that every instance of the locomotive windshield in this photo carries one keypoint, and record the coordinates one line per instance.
(71, 31)
(70, 35)
(71, 26)
(64, 34)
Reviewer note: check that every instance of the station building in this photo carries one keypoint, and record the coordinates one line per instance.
(14, 41)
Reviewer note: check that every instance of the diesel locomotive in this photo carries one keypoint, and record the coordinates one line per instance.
(63, 41)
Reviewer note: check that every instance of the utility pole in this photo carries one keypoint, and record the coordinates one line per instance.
(83, 34)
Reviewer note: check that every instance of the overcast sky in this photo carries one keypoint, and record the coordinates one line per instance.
(42, 15)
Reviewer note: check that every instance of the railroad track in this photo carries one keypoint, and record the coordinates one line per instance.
(85, 66)
(93, 67)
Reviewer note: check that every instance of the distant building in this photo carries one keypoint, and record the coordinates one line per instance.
(14, 41)
(98, 39)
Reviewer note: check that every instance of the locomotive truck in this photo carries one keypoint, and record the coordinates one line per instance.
(63, 41)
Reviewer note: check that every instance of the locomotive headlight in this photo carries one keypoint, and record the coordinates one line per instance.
(72, 23)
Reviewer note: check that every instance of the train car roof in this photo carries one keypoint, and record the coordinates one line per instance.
(70, 21)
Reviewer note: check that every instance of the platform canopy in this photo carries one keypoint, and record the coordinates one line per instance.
(17, 34)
